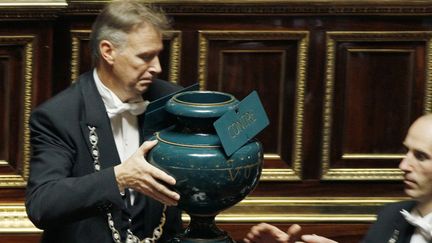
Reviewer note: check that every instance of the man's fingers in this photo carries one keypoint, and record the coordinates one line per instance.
(159, 192)
(166, 192)
(164, 199)
(147, 146)
(293, 230)
(156, 180)
(154, 171)
(161, 175)
(167, 197)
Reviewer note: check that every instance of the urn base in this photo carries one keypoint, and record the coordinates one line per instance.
(202, 229)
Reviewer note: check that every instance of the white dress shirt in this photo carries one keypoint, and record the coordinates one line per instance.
(419, 237)
(124, 125)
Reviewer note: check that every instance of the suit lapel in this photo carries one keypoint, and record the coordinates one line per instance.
(402, 229)
(405, 231)
(94, 114)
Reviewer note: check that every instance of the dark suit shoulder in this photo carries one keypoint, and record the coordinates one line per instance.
(393, 209)
(66, 99)
(390, 223)
(59, 101)
(61, 113)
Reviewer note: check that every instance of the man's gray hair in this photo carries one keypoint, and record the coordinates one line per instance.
(119, 18)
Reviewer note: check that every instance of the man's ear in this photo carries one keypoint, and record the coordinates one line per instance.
(107, 51)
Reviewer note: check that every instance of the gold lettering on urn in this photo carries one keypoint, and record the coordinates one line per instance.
(244, 122)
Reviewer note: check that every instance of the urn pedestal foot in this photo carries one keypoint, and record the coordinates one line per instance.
(202, 229)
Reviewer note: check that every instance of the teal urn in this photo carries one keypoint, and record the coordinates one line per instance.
(207, 180)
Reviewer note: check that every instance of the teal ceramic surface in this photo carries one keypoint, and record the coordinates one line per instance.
(208, 181)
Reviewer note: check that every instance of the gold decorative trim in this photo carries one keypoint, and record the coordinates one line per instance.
(27, 43)
(7, 181)
(47, 4)
(303, 210)
(380, 50)
(21, 9)
(77, 36)
(302, 61)
(363, 174)
(303, 38)
(196, 104)
(174, 69)
(373, 156)
(186, 145)
(276, 7)
(27, 105)
(323, 2)
(333, 37)
(175, 53)
(13, 219)
(428, 96)
(203, 46)
(279, 175)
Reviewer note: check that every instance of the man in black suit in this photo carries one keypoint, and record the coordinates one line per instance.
(401, 222)
(89, 179)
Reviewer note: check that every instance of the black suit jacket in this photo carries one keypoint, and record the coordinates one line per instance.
(391, 224)
(65, 196)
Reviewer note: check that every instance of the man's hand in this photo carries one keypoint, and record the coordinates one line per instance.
(136, 173)
(316, 239)
(266, 233)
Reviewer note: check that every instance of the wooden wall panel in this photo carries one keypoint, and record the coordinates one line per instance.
(373, 86)
(274, 64)
(16, 60)
(25, 80)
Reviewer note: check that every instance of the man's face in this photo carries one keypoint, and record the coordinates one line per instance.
(136, 62)
(417, 164)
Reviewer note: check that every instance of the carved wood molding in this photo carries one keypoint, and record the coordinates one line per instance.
(304, 210)
(261, 7)
(333, 37)
(27, 44)
(24, 9)
(52, 9)
(302, 37)
(13, 219)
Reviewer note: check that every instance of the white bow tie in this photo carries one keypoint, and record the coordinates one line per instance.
(418, 222)
(134, 108)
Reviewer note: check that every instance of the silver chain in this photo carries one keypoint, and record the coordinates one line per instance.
(130, 238)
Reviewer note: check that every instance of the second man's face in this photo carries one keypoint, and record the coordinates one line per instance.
(417, 164)
(137, 61)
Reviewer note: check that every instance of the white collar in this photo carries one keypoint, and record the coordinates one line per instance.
(113, 104)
